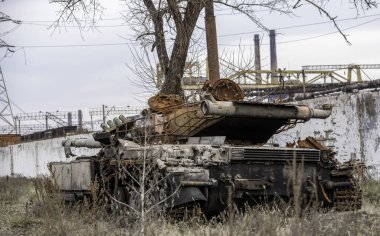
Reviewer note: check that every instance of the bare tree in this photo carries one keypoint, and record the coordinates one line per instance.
(138, 184)
(169, 27)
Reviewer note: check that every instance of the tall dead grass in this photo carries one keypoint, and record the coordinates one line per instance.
(11, 189)
(45, 213)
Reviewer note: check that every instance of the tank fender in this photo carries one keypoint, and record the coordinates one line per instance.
(187, 195)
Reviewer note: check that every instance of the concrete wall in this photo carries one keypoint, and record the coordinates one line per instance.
(353, 129)
(31, 159)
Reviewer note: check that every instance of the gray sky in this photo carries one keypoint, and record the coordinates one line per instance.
(70, 78)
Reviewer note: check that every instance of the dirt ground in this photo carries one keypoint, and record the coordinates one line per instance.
(26, 210)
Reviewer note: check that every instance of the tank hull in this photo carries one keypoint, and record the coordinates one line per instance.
(213, 177)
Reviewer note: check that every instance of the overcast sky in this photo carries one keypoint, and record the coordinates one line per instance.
(70, 78)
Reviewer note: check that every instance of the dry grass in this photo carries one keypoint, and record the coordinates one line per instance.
(33, 207)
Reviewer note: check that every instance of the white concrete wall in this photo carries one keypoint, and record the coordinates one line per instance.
(5, 161)
(353, 129)
(31, 159)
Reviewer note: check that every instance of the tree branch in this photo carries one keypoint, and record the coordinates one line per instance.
(174, 8)
(333, 19)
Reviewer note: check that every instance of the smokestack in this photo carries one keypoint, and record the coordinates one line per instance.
(69, 119)
(273, 56)
(80, 123)
(257, 58)
(212, 42)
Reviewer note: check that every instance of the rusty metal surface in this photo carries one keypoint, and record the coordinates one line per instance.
(224, 90)
(311, 142)
(51, 133)
(163, 102)
(9, 139)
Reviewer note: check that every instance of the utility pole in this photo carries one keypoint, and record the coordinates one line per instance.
(6, 114)
(273, 56)
(257, 58)
(212, 42)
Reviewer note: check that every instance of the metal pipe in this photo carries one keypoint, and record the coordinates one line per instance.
(189, 183)
(261, 110)
(333, 185)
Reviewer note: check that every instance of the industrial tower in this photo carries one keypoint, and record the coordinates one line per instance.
(6, 114)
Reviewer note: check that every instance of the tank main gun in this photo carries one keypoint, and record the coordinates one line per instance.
(86, 143)
(262, 110)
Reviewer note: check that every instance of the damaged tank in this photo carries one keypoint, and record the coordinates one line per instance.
(211, 154)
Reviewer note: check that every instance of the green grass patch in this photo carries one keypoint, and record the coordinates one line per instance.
(371, 191)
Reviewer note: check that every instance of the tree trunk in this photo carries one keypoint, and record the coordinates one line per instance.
(174, 72)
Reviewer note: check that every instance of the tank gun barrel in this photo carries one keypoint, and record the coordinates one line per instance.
(82, 143)
(261, 110)
(68, 143)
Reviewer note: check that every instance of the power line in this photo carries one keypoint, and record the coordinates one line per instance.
(307, 38)
(322, 35)
(23, 111)
(121, 18)
(36, 23)
(129, 43)
(52, 21)
(75, 45)
(298, 26)
(74, 26)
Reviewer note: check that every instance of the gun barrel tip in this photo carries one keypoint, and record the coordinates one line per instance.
(327, 106)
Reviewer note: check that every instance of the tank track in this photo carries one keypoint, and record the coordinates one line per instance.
(347, 198)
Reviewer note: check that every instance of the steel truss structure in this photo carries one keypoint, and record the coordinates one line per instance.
(6, 114)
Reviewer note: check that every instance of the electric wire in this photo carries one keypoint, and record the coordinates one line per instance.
(303, 39)
(299, 26)
(221, 44)
(37, 23)
(23, 112)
